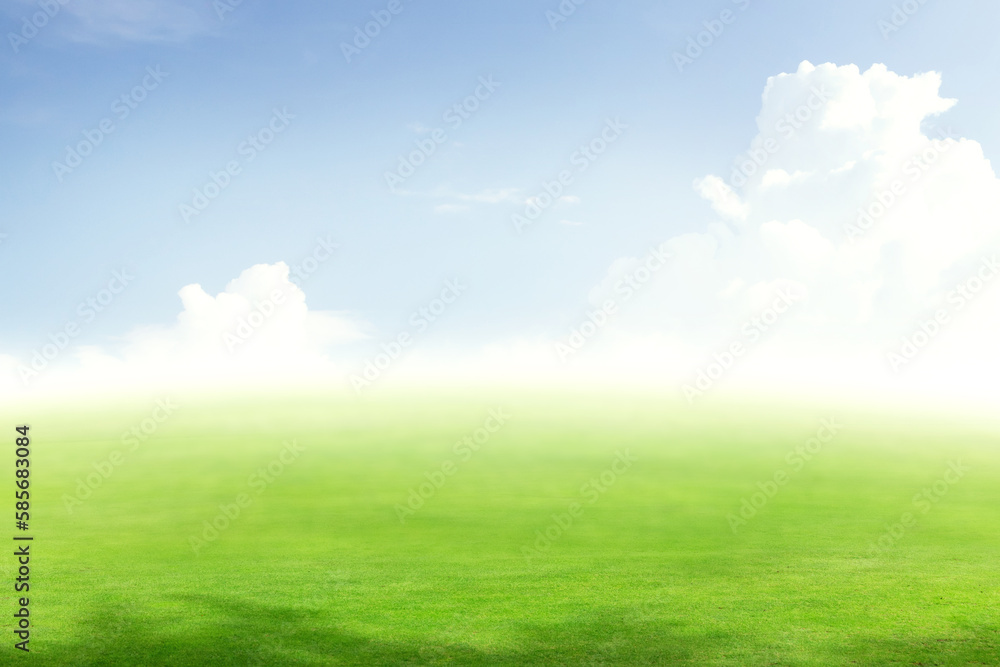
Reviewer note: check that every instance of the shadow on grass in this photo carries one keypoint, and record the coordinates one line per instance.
(222, 631)
(241, 633)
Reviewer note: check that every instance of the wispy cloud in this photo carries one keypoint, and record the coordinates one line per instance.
(104, 21)
(450, 208)
(489, 196)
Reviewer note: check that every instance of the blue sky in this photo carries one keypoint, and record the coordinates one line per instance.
(324, 175)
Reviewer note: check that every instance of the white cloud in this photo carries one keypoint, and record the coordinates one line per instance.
(725, 202)
(257, 330)
(288, 331)
(450, 208)
(137, 20)
(780, 178)
(490, 196)
(787, 229)
(794, 218)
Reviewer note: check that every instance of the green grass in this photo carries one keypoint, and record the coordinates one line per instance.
(319, 570)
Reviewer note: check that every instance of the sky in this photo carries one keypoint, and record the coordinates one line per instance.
(233, 146)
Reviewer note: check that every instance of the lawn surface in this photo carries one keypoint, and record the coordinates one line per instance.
(319, 568)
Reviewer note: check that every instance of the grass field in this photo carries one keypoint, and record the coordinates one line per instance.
(319, 569)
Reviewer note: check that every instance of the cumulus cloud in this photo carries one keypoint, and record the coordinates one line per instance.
(855, 211)
(725, 202)
(849, 196)
(259, 328)
(261, 314)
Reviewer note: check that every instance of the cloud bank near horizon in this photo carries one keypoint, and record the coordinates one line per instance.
(854, 248)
